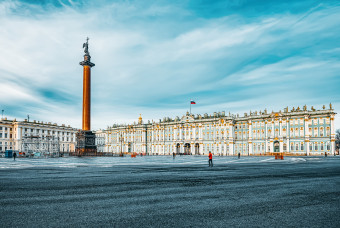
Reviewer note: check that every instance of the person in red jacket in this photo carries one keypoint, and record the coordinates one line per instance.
(210, 159)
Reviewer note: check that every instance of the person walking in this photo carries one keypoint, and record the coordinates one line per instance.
(210, 159)
(14, 155)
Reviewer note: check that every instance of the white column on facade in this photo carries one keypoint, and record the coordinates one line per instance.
(271, 141)
(266, 136)
(181, 133)
(231, 139)
(225, 152)
(221, 144)
(280, 128)
(224, 128)
(332, 135)
(143, 136)
(306, 131)
(288, 134)
(280, 135)
(192, 148)
(250, 141)
(19, 132)
(163, 139)
(174, 131)
(201, 148)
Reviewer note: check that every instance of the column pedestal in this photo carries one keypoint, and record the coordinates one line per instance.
(86, 144)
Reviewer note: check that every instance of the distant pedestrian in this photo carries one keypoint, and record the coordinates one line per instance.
(173, 155)
(239, 155)
(14, 155)
(210, 159)
(325, 154)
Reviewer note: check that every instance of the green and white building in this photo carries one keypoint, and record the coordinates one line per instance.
(296, 132)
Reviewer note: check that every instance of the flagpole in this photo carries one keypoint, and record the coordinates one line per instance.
(190, 106)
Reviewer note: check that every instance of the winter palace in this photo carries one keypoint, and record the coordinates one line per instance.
(298, 131)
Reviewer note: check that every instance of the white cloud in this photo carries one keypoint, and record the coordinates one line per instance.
(142, 62)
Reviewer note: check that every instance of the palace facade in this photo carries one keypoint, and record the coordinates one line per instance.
(296, 131)
(36, 136)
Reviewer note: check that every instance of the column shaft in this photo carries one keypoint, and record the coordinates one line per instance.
(86, 125)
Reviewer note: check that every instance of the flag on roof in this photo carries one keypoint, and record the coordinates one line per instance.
(192, 102)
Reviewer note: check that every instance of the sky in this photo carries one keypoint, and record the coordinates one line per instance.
(153, 57)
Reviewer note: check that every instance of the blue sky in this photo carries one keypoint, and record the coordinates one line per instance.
(152, 57)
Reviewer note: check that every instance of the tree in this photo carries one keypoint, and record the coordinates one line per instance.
(337, 140)
(337, 135)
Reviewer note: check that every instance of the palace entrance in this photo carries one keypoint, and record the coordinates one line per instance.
(178, 148)
(276, 146)
(187, 148)
(197, 149)
(129, 147)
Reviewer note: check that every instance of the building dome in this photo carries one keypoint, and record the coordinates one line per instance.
(140, 119)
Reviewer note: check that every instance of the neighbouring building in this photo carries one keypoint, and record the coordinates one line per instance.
(296, 132)
(26, 136)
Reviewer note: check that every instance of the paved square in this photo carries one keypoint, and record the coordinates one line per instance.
(160, 191)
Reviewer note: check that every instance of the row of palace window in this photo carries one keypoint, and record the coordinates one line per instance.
(293, 133)
(296, 147)
(257, 134)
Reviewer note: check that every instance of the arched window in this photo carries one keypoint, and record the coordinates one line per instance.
(297, 146)
(328, 146)
(291, 146)
(310, 146)
(284, 147)
(302, 146)
(321, 146)
(316, 146)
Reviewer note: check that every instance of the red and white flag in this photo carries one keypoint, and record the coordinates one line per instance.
(192, 102)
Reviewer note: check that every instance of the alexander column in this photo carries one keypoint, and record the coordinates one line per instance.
(85, 137)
